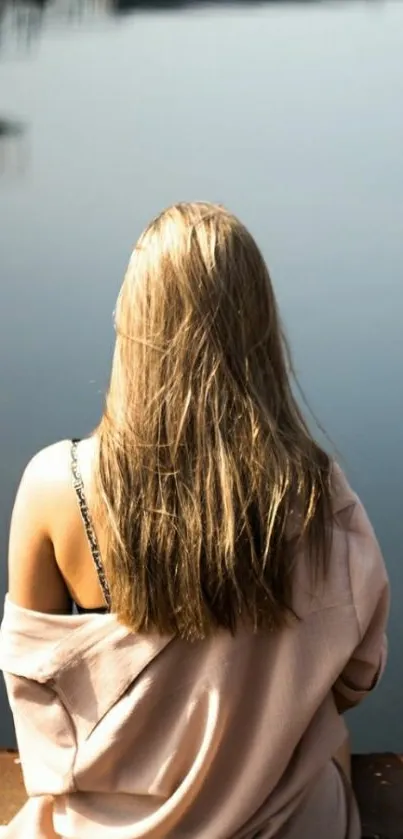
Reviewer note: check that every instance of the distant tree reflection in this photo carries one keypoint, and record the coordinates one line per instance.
(22, 20)
(25, 17)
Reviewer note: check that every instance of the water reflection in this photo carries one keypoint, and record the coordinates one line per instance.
(13, 149)
(132, 5)
(26, 16)
(23, 20)
(10, 128)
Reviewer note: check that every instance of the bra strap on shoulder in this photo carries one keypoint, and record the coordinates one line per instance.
(78, 485)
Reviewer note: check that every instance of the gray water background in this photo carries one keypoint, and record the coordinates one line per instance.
(292, 115)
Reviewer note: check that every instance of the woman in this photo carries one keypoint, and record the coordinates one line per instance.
(230, 595)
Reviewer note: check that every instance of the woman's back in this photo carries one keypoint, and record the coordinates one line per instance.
(236, 594)
(47, 495)
(218, 738)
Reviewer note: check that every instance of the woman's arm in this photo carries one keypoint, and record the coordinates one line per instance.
(342, 704)
(35, 581)
(370, 594)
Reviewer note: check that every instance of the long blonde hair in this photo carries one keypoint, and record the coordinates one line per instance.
(203, 452)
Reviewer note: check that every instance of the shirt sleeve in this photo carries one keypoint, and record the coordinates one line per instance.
(44, 729)
(45, 736)
(370, 595)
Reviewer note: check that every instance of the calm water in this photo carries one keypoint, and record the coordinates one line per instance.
(290, 114)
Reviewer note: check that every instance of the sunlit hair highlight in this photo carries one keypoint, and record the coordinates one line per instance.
(204, 456)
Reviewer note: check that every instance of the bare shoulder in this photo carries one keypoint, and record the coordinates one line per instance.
(41, 493)
(46, 484)
(45, 478)
(48, 466)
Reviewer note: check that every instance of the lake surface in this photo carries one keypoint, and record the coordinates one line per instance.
(292, 116)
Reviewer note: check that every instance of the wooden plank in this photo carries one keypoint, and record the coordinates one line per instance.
(378, 785)
(12, 792)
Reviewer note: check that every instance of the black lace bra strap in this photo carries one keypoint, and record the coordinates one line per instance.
(88, 525)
